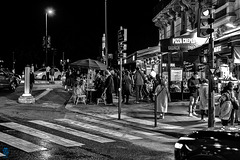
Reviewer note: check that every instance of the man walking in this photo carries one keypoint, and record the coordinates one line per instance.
(193, 85)
(138, 78)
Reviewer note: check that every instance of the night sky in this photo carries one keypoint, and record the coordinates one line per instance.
(76, 28)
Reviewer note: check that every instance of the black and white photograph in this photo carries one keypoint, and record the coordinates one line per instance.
(120, 80)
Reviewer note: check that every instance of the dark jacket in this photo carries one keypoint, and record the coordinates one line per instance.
(32, 78)
(193, 88)
(127, 82)
(109, 85)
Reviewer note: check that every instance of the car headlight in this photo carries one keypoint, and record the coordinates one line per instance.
(178, 145)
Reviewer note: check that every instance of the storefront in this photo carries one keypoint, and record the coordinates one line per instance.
(180, 62)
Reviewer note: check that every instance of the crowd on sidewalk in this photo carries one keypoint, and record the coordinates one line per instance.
(151, 88)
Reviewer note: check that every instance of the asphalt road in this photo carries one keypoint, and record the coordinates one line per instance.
(47, 131)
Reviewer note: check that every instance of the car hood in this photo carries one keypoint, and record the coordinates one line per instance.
(224, 129)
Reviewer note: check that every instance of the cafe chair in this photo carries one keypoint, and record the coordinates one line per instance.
(102, 99)
(81, 98)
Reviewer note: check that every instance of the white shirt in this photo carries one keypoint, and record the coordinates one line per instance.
(153, 74)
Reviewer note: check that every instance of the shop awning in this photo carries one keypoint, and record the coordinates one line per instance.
(148, 52)
(236, 54)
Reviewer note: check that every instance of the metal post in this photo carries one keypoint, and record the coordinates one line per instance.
(106, 35)
(120, 91)
(46, 39)
(155, 111)
(211, 101)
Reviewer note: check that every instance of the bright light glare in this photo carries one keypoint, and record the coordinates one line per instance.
(230, 25)
(178, 145)
(206, 12)
(50, 11)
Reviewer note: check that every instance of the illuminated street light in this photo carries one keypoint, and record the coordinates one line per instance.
(50, 12)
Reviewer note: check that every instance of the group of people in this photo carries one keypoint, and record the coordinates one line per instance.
(228, 101)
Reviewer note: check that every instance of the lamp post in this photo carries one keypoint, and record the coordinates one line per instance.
(49, 11)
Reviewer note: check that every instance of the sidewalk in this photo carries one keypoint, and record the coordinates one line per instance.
(176, 123)
(52, 99)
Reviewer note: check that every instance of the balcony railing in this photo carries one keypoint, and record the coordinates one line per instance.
(221, 13)
(220, 3)
(159, 7)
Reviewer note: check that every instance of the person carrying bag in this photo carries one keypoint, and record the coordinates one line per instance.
(228, 103)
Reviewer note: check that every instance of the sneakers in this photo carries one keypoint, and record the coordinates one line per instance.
(194, 113)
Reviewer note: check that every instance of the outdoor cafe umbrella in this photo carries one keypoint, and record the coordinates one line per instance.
(90, 64)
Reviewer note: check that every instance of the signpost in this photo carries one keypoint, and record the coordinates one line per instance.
(122, 39)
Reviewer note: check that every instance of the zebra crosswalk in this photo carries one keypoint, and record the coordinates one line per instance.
(83, 127)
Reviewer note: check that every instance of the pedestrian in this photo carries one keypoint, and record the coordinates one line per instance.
(48, 72)
(52, 72)
(162, 98)
(237, 113)
(203, 98)
(193, 85)
(127, 85)
(138, 81)
(109, 88)
(32, 80)
(228, 103)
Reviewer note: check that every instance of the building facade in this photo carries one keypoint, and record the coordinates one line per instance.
(176, 21)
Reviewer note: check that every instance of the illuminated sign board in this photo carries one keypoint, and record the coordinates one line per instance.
(183, 41)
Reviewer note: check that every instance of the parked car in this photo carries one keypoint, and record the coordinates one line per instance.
(17, 76)
(210, 144)
(8, 80)
(41, 74)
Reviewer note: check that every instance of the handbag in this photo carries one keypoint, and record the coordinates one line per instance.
(225, 110)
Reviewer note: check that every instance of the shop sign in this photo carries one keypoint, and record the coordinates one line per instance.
(188, 66)
(173, 48)
(183, 41)
(178, 43)
(176, 74)
(217, 49)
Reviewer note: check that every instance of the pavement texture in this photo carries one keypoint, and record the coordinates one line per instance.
(52, 101)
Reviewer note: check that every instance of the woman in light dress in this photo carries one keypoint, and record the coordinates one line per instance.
(163, 97)
(203, 104)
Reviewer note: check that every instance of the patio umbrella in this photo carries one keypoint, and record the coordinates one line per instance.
(89, 63)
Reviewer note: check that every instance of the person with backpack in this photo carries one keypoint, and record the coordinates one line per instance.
(228, 103)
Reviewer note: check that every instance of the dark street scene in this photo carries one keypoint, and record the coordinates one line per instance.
(120, 80)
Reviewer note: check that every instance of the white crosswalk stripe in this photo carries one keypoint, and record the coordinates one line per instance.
(116, 126)
(20, 143)
(99, 129)
(41, 134)
(94, 127)
(73, 131)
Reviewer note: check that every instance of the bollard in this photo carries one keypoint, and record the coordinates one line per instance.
(155, 111)
(26, 97)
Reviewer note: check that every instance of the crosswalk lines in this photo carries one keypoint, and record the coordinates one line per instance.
(73, 131)
(20, 143)
(93, 128)
(116, 126)
(99, 129)
(41, 134)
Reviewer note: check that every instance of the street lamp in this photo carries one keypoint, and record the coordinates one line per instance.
(49, 11)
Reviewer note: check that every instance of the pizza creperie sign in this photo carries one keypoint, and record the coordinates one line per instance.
(183, 41)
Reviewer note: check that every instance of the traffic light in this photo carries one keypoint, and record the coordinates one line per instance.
(203, 57)
(204, 21)
(122, 42)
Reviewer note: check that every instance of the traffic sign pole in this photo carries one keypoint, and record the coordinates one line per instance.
(211, 98)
